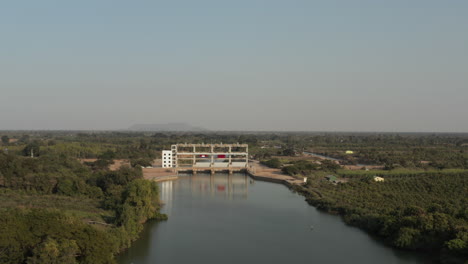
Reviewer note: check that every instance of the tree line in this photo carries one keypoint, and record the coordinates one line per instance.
(48, 235)
(418, 212)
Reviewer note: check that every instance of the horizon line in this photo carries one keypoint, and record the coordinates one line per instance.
(214, 131)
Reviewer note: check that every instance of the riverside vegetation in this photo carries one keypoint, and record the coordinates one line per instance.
(55, 209)
(422, 205)
(412, 209)
(424, 211)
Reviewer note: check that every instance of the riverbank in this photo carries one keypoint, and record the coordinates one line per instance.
(402, 212)
(369, 206)
(231, 219)
(159, 174)
(263, 173)
(364, 212)
(256, 170)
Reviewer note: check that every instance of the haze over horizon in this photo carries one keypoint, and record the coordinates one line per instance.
(393, 66)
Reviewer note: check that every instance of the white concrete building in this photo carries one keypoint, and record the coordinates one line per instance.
(167, 159)
(208, 155)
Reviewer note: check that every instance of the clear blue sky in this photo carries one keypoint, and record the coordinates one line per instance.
(345, 65)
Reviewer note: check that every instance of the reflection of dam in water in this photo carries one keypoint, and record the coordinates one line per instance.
(220, 185)
(224, 186)
(207, 225)
(165, 192)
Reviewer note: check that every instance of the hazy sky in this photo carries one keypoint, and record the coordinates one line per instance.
(375, 65)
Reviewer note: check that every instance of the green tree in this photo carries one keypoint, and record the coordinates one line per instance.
(406, 237)
(459, 244)
(32, 149)
(51, 251)
(143, 162)
(65, 187)
(24, 139)
(273, 163)
(5, 139)
(107, 155)
(48, 236)
(330, 165)
(140, 203)
(289, 152)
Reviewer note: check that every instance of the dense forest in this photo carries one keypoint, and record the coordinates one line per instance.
(57, 207)
(412, 211)
(408, 150)
(56, 210)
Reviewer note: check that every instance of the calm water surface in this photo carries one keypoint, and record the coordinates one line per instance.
(233, 219)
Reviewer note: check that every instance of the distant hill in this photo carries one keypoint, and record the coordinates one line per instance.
(165, 127)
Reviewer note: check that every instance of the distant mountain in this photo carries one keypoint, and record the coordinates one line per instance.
(165, 127)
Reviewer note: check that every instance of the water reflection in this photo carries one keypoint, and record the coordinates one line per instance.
(227, 219)
(224, 186)
(166, 195)
(220, 185)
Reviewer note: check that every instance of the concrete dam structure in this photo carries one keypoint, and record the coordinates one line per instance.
(206, 157)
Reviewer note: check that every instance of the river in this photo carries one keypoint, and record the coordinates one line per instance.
(233, 219)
